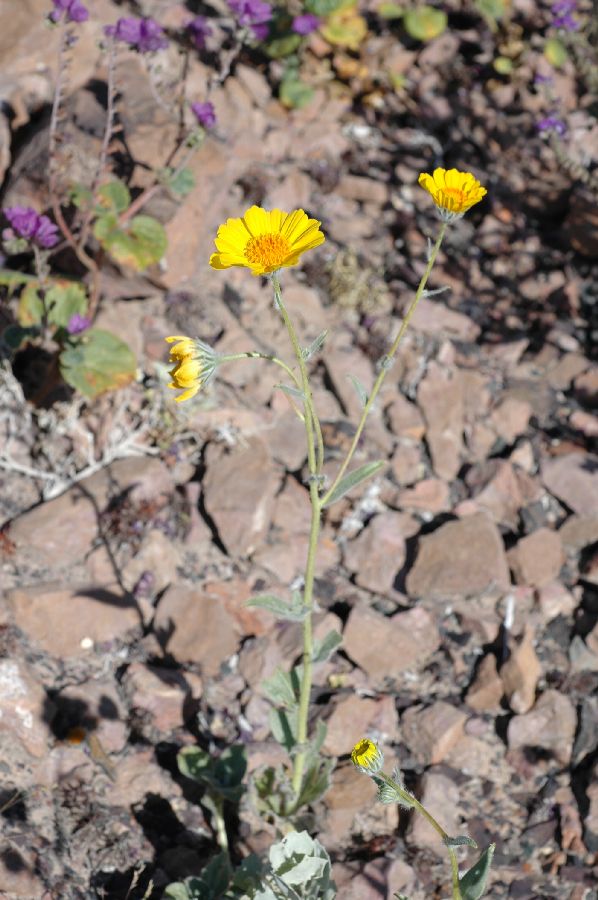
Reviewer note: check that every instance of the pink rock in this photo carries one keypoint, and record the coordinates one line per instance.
(196, 627)
(384, 647)
(69, 622)
(432, 495)
(432, 732)
(537, 558)
(550, 725)
(573, 479)
(239, 489)
(511, 418)
(521, 673)
(432, 317)
(407, 465)
(440, 398)
(378, 552)
(22, 707)
(405, 418)
(462, 558)
(353, 717)
(352, 809)
(440, 795)
(486, 691)
(159, 694)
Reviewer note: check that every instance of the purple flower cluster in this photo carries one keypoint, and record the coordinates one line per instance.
(552, 123)
(200, 30)
(27, 224)
(254, 14)
(78, 324)
(561, 10)
(204, 113)
(145, 35)
(305, 24)
(70, 10)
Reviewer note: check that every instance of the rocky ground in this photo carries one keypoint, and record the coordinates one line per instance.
(464, 579)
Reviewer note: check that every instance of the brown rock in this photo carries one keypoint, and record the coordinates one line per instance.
(440, 795)
(61, 531)
(521, 673)
(239, 489)
(431, 733)
(550, 725)
(511, 418)
(578, 532)
(378, 552)
(569, 366)
(555, 600)
(591, 818)
(356, 187)
(573, 479)
(487, 689)
(462, 558)
(352, 809)
(69, 621)
(159, 694)
(430, 496)
(355, 716)
(501, 496)
(159, 556)
(386, 646)
(536, 560)
(195, 627)
(437, 320)
(407, 465)
(440, 398)
(405, 419)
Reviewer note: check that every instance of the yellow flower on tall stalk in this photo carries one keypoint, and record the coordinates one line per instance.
(265, 241)
(195, 363)
(452, 191)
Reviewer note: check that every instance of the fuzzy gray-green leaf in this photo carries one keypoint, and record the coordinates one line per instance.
(473, 883)
(354, 478)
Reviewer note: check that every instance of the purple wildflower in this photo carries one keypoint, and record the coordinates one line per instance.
(78, 323)
(200, 30)
(30, 225)
(305, 24)
(71, 10)
(254, 14)
(561, 10)
(552, 123)
(204, 113)
(145, 35)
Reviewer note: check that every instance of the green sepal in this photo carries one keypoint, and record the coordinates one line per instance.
(473, 883)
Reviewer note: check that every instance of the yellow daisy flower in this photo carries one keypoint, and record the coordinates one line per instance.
(367, 757)
(265, 241)
(452, 191)
(195, 363)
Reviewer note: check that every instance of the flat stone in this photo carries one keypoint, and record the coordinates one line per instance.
(511, 418)
(573, 478)
(405, 419)
(159, 694)
(440, 398)
(68, 622)
(578, 532)
(550, 726)
(431, 496)
(464, 558)
(355, 716)
(555, 600)
(239, 489)
(195, 627)
(536, 559)
(378, 552)
(440, 795)
(431, 733)
(22, 707)
(351, 809)
(486, 691)
(386, 646)
(521, 673)
(437, 320)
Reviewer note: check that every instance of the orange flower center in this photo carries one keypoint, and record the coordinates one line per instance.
(267, 250)
(458, 198)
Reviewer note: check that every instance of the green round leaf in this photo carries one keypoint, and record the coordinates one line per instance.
(62, 301)
(491, 9)
(139, 244)
(295, 94)
(390, 11)
(425, 23)
(282, 46)
(114, 196)
(503, 65)
(97, 362)
(322, 7)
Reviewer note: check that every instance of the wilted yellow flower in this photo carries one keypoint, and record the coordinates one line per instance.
(265, 241)
(452, 191)
(367, 757)
(195, 363)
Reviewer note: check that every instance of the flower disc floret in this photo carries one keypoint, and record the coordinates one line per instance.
(265, 241)
(367, 757)
(195, 363)
(452, 191)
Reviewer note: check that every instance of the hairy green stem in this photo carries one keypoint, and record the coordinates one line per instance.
(386, 365)
(314, 435)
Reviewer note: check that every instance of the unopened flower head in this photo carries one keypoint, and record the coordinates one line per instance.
(194, 365)
(204, 113)
(28, 224)
(452, 191)
(265, 241)
(366, 757)
(70, 10)
(144, 35)
(77, 324)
